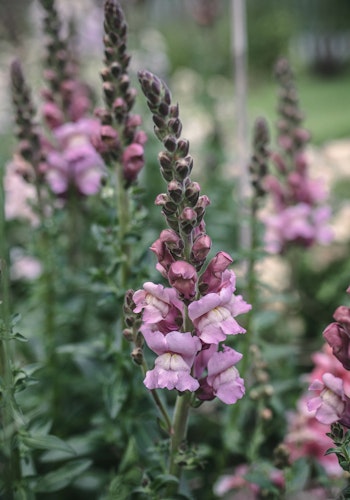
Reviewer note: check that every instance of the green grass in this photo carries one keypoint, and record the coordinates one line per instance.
(325, 103)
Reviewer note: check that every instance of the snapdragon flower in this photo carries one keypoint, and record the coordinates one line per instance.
(299, 213)
(186, 323)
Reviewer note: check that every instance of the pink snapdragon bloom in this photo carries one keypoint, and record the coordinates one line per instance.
(306, 437)
(75, 162)
(176, 352)
(337, 335)
(211, 279)
(160, 306)
(213, 315)
(247, 490)
(183, 277)
(223, 377)
(300, 224)
(330, 401)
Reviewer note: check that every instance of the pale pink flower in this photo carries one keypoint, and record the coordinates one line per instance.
(213, 315)
(19, 194)
(330, 402)
(160, 306)
(75, 162)
(306, 437)
(301, 223)
(224, 377)
(176, 352)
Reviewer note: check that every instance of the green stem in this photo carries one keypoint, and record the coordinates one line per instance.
(179, 432)
(8, 412)
(158, 401)
(123, 208)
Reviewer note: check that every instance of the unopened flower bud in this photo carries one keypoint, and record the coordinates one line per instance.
(174, 111)
(183, 277)
(200, 248)
(183, 147)
(109, 91)
(104, 116)
(175, 190)
(192, 193)
(163, 109)
(188, 220)
(175, 126)
(105, 74)
(202, 203)
(124, 82)
(161, 199)
(170, 143)
(109, 136)
(137, 355)
(159, 122)
(172, 240)
(183, 167)
(115, 69)
(169, 208)
(128, 334)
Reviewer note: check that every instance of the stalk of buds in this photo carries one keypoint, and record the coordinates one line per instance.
(29, 146)
(121, 139)
(299, 214)
(258, 167)
(66, 98)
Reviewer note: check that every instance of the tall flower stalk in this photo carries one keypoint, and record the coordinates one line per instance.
(187, 323)
(121, 141)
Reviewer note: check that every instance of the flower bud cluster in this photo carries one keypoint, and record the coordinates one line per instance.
(29, 147)
(66, 98)
(258, 166)
(120, 138)
(187, 323)
(300, 215)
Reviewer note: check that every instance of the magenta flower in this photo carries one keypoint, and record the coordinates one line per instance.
(183, 277)
(337, 334)
(160, 306)
(223, 377)
(213, 315)
(330, 403)
(176, 352)
(211, 279)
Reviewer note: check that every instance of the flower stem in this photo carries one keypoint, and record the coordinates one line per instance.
(8, 412)
(123, 208)
(179, 432)
(158, 401)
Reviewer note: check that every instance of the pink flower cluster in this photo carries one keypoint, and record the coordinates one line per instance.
(331, 403)
(185, 327)
(72, 160)
(327, 403)
(297, 213)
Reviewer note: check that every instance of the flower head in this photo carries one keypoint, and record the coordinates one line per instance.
(330, 402)
(223, 376)
(176, 352)
(213, 315)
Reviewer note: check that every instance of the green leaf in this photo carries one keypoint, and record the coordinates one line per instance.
(48, 442)
(60, 478)
(164, 480)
